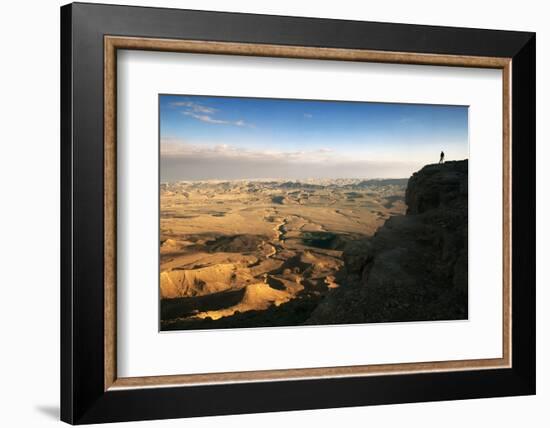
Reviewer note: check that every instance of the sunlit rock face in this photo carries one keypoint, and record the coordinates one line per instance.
(415, 268)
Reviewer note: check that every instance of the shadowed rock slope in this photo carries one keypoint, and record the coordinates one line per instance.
(415, 268)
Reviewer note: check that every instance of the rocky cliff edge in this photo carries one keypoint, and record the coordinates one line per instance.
(415, 268)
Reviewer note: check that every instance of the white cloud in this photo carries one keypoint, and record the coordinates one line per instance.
(183, 160)
(171, 147)
(194, 107)
(308, 115)
(206, 114)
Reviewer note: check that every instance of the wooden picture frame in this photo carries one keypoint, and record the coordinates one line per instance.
(91, 390)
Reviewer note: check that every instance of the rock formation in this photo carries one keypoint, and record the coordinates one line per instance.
(415, 268)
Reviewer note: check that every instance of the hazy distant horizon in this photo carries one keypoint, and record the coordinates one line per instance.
(223, 138)
(308, 180)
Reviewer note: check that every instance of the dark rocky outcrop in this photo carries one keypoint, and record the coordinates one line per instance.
(415, 268)
(243, 243)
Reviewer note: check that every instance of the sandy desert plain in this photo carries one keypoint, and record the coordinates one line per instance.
(257, 253)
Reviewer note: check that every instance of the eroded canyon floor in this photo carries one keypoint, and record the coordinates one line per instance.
(262, 253)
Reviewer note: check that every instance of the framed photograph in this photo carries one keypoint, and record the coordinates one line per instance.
(319, 213)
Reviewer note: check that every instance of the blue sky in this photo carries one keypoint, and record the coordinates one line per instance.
(228, 138)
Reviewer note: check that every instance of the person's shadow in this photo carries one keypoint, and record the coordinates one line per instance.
(50, 411)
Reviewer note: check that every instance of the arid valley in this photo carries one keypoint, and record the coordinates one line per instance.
(291, 212)
(251, 253)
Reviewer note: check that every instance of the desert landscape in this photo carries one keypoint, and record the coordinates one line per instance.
(232, 250)
(288, 212)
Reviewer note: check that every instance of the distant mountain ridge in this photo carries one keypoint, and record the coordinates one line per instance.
(312, 182)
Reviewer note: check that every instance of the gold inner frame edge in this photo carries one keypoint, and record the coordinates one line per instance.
(113, 43)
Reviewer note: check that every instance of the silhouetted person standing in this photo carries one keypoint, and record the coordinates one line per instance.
(442, 157)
